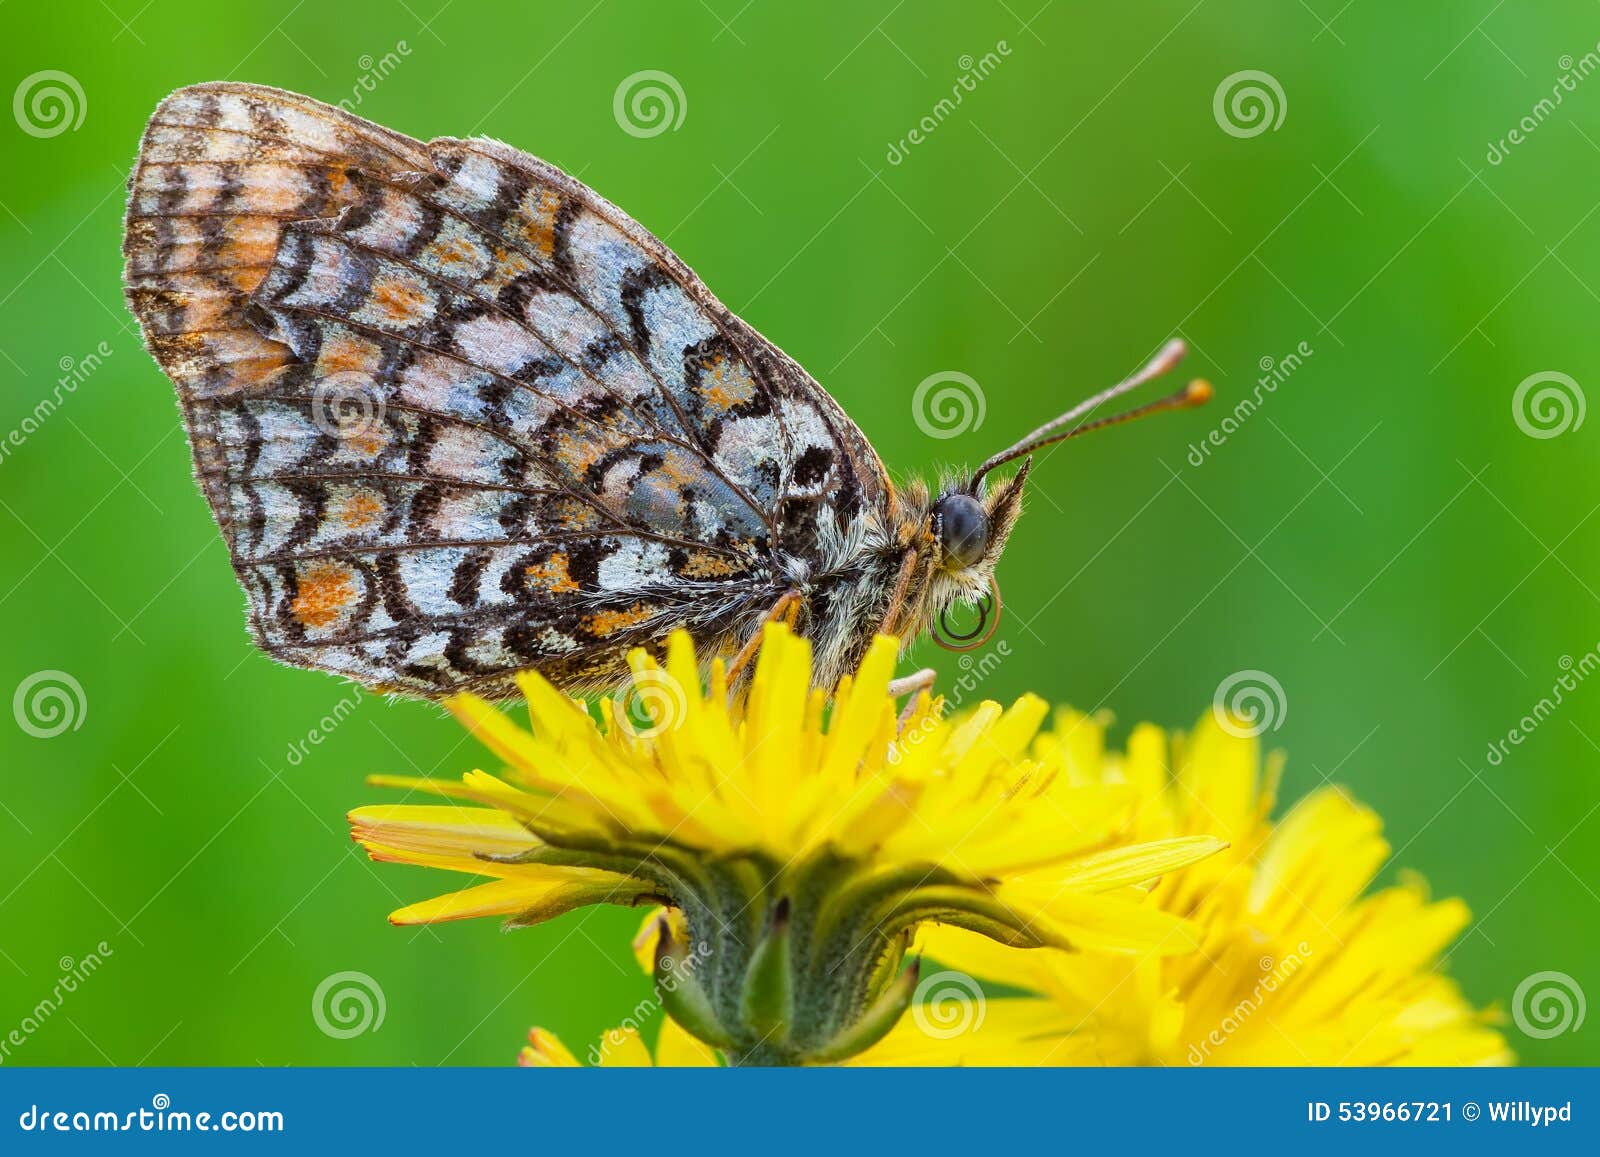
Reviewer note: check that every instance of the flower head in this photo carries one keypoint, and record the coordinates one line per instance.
(799, 843)
(620, 1047)
(1300, 963)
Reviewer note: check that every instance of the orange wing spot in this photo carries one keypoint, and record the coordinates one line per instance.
(579, 452)
(244, 259)
(399, 299)
(570, 514)
(325, 589)
(552, 575)
(360, 510)
(248, 248)
(505, 266)
(343, 353)
(681, 472)
(367, 439)
(246, 278)
(453, 252)
(202, 311)
(541, 206)
(604, 624)
(727, 383)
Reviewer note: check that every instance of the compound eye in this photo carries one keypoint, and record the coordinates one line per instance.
(963, 530)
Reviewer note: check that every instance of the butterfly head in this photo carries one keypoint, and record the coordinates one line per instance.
(969, 526)
(970, 521)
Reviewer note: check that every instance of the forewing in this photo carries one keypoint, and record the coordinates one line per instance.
(455, 414)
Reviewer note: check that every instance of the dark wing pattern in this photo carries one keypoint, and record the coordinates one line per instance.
(457, 415)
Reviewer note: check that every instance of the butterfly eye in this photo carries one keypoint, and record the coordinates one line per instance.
(963, 527)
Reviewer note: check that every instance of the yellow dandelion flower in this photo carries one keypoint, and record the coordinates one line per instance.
(799, 843)
(1300, 963)
(620, 1047)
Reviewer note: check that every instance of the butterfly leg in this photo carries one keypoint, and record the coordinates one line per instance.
(889, 624)
(784, 611)
(912, 685)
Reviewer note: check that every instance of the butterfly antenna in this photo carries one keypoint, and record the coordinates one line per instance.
(1060, 429)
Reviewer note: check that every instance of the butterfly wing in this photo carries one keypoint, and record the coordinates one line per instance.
(455, 414)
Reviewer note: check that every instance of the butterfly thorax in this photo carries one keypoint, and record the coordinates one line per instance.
(887, 572)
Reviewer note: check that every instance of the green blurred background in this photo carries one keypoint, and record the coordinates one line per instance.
(1380, 536)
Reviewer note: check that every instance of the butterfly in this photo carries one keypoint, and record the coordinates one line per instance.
(458, 416)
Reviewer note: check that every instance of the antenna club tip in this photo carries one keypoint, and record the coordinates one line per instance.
(1198, 392)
